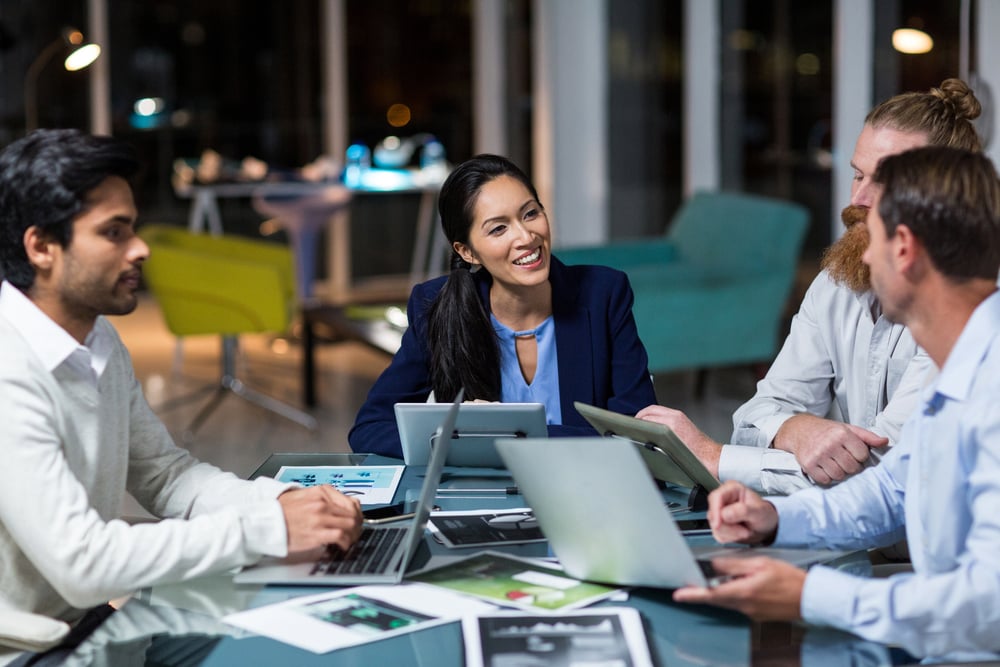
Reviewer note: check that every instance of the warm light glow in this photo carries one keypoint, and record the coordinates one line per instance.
(74, 37)
(82, 57)
(180, 118)
(910, 40)
(398, 115)
(807, 64)
(742, 40)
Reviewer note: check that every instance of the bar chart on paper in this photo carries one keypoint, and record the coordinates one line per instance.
(371, 485)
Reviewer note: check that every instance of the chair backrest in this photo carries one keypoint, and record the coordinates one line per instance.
(738, 232)
(218, 285)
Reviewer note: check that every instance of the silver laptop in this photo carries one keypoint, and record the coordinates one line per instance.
(605, 519)
(382, 553)
(477, 427)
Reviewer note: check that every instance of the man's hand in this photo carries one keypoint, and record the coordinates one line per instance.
(320, 515)
(707, 450)
(764, 589)
(737, 514)
(828, 451)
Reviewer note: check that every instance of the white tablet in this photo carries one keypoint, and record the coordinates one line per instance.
(478, 425)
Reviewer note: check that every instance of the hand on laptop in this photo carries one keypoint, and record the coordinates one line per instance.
(827, 450)
(320, 515)
(707, 450)
(763, 588)
(737, 514)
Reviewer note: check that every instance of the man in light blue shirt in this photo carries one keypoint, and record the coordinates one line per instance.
(934, 255)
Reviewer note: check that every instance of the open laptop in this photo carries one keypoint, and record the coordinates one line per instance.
(477, 427)
(606, 521)
(382, 553)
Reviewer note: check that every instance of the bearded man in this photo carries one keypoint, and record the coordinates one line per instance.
(846, 377)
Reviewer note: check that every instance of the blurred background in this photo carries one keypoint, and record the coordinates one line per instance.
(616, 108)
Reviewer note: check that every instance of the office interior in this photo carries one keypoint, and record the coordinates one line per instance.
(619, 111)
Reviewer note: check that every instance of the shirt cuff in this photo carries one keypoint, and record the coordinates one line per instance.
(264, 529)
(828, 597)
(793, 521)
(742, 464)
(769, 425)
(267, 488)
(762, 469)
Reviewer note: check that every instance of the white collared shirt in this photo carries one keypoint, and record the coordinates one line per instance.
(53, 344)
(842, 360)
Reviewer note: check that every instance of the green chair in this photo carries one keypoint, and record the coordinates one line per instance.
(223, 286)
(713, 289)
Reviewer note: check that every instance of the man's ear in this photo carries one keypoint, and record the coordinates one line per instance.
(908, 252)
(39, 247)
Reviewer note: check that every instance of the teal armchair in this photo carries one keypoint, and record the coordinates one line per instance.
(713, 289)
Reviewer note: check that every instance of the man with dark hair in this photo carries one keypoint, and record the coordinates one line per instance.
(934, 254)
(77, 432)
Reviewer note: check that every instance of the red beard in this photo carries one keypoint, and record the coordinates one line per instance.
(842, 260)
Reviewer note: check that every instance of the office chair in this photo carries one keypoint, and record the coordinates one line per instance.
(224, 286)
(711, 291)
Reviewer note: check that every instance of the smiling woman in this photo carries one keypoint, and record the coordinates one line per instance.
(511, 322)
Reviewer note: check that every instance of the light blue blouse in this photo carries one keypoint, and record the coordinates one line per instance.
(544, 388)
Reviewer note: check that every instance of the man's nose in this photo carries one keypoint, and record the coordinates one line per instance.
(862, 195)
(139, 250)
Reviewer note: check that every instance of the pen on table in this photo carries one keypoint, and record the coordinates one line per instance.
(508, 490)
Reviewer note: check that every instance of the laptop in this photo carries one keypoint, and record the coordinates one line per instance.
(666, 456)
(606, 521)
(477, 427)
(382, 552)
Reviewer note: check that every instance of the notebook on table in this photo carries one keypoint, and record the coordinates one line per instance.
(477, 427)
(382, 553)
(606, 521)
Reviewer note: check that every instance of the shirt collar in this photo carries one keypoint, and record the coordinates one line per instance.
(868, 301)
(50, 342)
(959, 370)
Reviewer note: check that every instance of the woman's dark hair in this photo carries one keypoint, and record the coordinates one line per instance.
(44, 181)
(463, 346)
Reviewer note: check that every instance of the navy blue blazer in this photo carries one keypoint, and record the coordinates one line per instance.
(601, 359)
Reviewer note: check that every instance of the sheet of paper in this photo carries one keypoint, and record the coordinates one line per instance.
(515, 582)
(485, 527)
(371, 485)
(605, 636)
(350, 616)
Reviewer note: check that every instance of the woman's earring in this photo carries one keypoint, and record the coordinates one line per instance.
(473, 268)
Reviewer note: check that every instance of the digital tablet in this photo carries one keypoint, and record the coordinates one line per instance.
(666, 456)
(476, 428)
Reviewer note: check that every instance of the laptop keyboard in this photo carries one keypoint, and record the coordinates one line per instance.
(371, 554)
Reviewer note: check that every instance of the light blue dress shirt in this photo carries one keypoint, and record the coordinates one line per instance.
(941, 484)
(544, 387)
